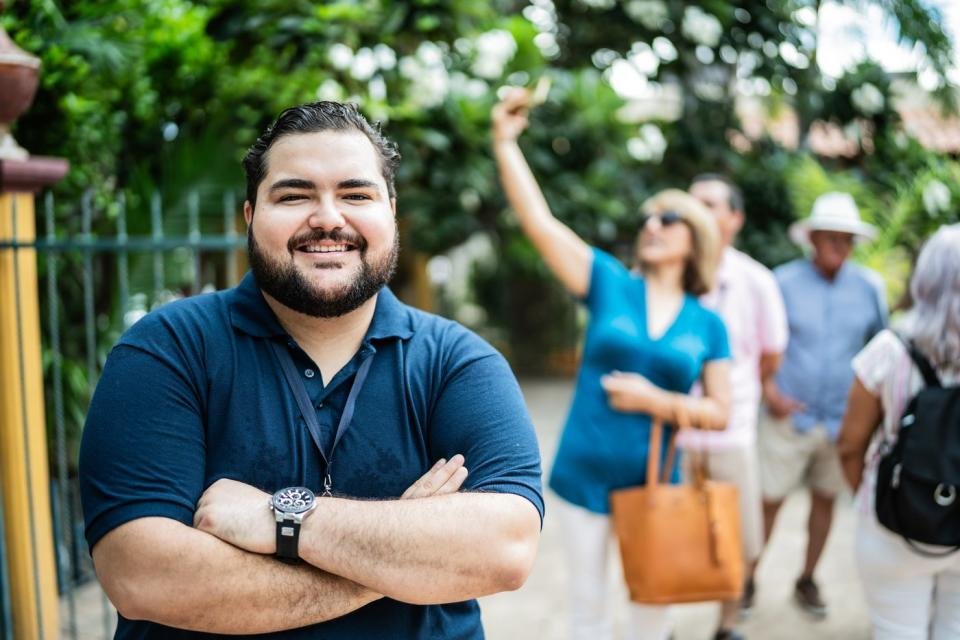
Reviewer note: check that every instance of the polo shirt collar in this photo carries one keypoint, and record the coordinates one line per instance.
(391, 318)
(250, 313)
(840, 275)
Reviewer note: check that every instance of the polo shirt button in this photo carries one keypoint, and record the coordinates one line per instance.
(308, 372)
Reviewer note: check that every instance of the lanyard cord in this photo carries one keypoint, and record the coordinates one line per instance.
(309, 413)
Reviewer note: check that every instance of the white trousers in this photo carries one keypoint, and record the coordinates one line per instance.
(910, 597)
(588, 537)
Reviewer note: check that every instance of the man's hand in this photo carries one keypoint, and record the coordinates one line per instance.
(778, 403)
(445, 477)
(240, 514)
(629, 392)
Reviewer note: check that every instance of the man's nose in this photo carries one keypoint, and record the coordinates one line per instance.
(326, 214)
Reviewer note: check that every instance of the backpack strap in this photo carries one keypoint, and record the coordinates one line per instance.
(930, 377)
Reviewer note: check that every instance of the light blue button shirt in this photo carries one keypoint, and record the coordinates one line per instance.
(830, 321)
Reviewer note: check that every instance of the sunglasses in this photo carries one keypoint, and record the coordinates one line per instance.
(667, 218)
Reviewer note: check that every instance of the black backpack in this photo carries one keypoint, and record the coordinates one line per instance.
(919, 477)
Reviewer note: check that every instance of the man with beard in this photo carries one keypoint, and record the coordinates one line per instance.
(245, 450)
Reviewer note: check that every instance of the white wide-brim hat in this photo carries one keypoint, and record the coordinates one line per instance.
(833, 212)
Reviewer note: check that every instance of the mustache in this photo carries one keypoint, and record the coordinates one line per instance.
(316, 235)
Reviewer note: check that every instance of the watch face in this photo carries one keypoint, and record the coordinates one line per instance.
(293, 500)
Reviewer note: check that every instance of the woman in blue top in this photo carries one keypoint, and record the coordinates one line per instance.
(647, 343)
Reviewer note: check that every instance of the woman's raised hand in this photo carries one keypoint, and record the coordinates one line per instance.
(509, 115)
(567, 256)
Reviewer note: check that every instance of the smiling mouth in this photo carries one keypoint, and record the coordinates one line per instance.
(317, 248)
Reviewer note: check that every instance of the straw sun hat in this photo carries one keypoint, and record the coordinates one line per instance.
(832, 212)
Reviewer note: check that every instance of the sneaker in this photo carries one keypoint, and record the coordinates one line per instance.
(746, 601)
(728, 634)
(807, 595)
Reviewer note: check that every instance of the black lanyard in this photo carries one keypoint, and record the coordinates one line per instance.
(310, 414)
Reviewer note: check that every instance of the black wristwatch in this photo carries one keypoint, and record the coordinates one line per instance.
(290, 506)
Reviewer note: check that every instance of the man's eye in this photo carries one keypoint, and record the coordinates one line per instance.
(291, 197)
(357, 196)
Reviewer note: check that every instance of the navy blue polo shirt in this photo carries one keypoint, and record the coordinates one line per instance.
(193, 393)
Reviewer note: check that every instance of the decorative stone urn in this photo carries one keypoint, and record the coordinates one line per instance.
(19, 73)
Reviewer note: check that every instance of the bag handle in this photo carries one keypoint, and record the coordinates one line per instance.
(654, 476)
(682, 420)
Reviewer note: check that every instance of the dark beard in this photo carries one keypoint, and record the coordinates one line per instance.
(288, 286)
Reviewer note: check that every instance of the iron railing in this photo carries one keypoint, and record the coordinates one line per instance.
(99, 284)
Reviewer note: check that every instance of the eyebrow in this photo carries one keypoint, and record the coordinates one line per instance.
(292, 183)
(299, 183)
(358, 183)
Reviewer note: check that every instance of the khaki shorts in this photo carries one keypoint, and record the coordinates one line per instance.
(738, 466)
(790, 459)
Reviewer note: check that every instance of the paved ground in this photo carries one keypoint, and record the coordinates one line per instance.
(537, 611)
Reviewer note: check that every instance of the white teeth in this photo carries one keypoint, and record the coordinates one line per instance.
(330, 248)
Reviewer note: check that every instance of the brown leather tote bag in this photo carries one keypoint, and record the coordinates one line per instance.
(678, 543)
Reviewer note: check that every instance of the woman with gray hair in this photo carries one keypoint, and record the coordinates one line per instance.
(909, 595)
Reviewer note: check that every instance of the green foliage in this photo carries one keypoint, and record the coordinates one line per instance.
(166, 95)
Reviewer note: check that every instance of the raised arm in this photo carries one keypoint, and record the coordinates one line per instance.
(567, 256)
(631, 392)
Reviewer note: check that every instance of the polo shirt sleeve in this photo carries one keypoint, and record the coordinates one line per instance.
(480, 413)
(142, 450)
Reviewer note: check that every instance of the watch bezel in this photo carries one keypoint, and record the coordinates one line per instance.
(281, 507)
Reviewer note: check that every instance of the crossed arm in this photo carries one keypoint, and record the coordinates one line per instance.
(161, 570)
(417, 549)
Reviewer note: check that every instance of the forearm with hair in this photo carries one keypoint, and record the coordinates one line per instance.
(428, 551)
(161, 570)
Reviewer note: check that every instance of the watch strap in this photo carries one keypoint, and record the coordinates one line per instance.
(288, 541)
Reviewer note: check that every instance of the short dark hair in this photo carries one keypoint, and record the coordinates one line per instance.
(734, 194)
(311, 118)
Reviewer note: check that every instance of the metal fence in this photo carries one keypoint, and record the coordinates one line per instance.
(99, 279)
